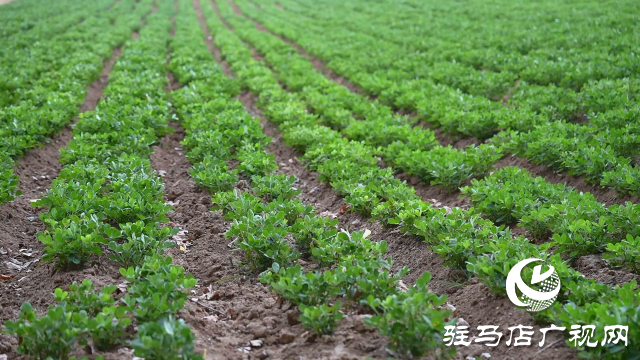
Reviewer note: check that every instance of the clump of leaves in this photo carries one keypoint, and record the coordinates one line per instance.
(83, 297)
(75, 239)
(322, 319)
(311, 288)
(53, 335)
(141, 240)
(214, 175)
(165, 339)
(273, 186)
(108, 328)
(411, 320)
(255, 161)
(157, 288)
(625, 253)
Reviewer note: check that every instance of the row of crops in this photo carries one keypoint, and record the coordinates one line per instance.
(539, 93)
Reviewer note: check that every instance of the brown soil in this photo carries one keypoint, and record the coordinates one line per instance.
(209, 39)
(594, 267)
(2, 2)
(20, 250)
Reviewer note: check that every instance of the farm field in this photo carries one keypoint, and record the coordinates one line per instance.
(297, 179)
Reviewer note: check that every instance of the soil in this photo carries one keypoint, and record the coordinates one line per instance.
(2, 2)
(209, 39)
(20, 250)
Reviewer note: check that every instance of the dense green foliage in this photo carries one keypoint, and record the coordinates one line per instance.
(546, 81)
(458, 75)
(43, 86)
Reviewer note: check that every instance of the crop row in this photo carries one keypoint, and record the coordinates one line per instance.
(394, 140)
(400, 64)
(532, 109)
(460, 237)
(53, 99)
(264, 216)
(107, 196)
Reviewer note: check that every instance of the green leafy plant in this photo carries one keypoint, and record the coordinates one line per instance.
(140, 241)
(157, 288)
(109, 327)
(54, 335)
(411, 320)
(272, 186)
(165, 339)
(322, 319)
(84, 297)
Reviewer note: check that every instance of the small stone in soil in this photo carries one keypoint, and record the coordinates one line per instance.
(256, 343)
(293, 317)
(257, 330)
(286, 337)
